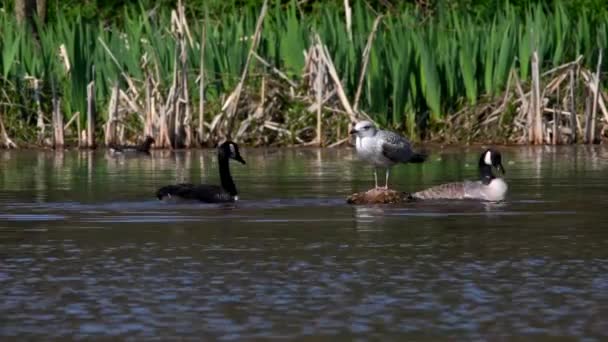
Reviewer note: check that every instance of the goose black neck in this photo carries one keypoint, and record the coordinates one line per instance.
(485, 173)
(225, 176)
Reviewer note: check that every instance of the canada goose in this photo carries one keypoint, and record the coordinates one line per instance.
(143, 148)
(383, 148)
(209, 193)
(488, 188)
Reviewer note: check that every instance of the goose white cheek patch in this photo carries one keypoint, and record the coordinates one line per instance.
(232, 152)
(488, 158)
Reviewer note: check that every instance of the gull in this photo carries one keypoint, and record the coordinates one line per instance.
(383, 148)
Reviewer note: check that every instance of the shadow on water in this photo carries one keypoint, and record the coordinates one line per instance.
(87, 251)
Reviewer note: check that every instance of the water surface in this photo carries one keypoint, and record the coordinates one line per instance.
(86, 250)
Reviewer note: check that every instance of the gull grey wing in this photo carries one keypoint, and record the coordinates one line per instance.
(399, 150)
(395, 147)
(396, 153)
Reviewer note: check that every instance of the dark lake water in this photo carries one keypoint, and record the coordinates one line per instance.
(87, 251)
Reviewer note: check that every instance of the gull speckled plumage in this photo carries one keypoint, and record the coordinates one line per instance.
(382, 148)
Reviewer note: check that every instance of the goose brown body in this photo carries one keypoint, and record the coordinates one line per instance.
(488, 188)
(143, 148)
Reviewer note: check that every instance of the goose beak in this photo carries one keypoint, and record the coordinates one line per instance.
(353, 131)
(501, 168)
(240, 159)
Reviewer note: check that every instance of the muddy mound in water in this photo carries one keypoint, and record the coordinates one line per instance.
(379, 196)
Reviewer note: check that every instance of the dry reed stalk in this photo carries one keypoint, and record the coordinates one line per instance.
(165, 138)
(110, 129)
(126, 77)
(187, 123)
(275, 70)
(328, 96)
(318, 87)
(5, 139)
(257, 114)
(154, 117)
(201, 89)
(187, 118)
(233, 100)
(39, 114)
(596, 92)
(90, 141)
(78, 131)
(175, 99)
(523, 110)
(181, 104)
(182, 129)
(63, 54)
(588, 77)
(366, 54)
(501, 110)
(121, 133)
(565, 66)
(331, 69)
(535, 118)
(131, 104)
(339, 142)
(57, 120)
(73, 119)
(348, 14)
(148, 128)
(556, 117)
(573, 123)
(169, 115)
(588, 106)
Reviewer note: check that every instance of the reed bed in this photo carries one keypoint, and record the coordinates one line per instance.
(274, 75)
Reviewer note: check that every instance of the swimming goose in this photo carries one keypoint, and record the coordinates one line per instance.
(209, 193)
(143, 148)
(488, 188)
(383, 148)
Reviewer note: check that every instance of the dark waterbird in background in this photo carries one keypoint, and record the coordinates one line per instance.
(383, 148)
(209, 193)
(143, 148)
(488, 188)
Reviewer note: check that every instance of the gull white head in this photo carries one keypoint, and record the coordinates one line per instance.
(364, 129)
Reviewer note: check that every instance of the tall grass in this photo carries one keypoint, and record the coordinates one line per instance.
(420, 68)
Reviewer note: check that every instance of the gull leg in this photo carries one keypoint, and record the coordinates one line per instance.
(388, 171)
(375, 178)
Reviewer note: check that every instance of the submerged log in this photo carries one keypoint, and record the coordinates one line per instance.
(379, 196)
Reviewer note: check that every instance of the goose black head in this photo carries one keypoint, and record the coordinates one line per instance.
(230, 150)
(492, 158)
(149, 140)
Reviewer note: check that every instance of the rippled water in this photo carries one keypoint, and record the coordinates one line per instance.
(86, 251)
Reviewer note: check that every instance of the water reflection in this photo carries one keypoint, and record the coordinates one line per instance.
(369, 218)
(88, 252)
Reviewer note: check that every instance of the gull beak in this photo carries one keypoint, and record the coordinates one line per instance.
(353, 131)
